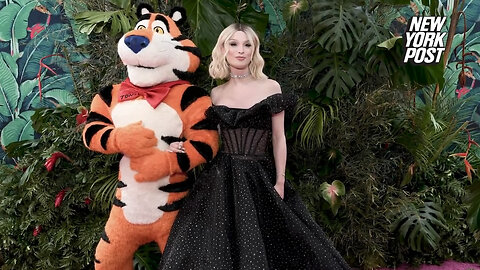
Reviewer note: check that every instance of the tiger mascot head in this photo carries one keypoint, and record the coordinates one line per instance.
(155, 51)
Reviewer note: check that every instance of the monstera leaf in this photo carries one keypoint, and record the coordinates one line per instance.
(14, 19)
(415, 225)
(9, 92)
(338, 24)
(18, 130)
(44, 44)
(336, 75)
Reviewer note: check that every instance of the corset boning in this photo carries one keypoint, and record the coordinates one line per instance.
(245, 141)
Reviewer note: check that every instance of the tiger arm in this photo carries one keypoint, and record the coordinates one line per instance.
(201, 145)
(101, 135)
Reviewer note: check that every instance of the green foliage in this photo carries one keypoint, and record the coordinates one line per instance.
(291, 13)
(70, 231)
(415, 224)
(338, 24)
(208, 18)
(360, 149)
(315, 117)
(331, 192)
(117, 21)
(427, 130)
(8, 88)
(14, 21)
(474, 211)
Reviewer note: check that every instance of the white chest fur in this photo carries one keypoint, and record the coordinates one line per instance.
(143, 199)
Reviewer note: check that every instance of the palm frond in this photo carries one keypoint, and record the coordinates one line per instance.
(315, 117)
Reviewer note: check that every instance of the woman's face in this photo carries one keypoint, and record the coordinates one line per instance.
(239, 50)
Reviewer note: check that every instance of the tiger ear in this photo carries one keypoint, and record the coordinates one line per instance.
(178, 15)
(144, 9)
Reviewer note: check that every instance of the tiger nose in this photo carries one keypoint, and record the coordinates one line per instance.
(136, 43)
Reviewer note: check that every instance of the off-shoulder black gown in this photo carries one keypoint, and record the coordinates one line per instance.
(233, 218)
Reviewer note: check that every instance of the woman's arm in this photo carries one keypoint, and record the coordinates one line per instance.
(279, 150)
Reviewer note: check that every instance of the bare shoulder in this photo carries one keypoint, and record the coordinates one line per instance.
(215, 93)
(273, 87)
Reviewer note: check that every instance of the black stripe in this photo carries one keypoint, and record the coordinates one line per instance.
(173, 206)
(205, 124)
(180, 38)
(118, 203)
(121, 184)
(144, 17)
(191, 94)
(91, 131)
(178, 187)
(171, 139)
(183, 161)
(194, 50)
(106, 94)
(164, 20)
(204, 149)
(93, 116)
(96, 261)
(184, 75)
(104, 138)
(104, 237)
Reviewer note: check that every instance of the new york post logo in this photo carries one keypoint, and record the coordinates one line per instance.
(424, 40)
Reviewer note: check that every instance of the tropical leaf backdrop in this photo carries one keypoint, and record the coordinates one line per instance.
(36, 38)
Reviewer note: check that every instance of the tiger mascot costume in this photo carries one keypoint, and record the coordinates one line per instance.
(139, 118)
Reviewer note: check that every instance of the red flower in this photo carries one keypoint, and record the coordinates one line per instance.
(59, 197)
(88, 201)
(37, 230)
(82, 116)
(468, 169)
(52, 160)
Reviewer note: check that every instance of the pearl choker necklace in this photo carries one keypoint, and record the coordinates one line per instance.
(239, 76)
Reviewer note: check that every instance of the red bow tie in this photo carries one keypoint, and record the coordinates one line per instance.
(153, 94)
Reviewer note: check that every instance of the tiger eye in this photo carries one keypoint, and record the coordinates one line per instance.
(158, 29)
(140, 27)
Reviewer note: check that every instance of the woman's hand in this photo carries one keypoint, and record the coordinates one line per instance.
(176, 147)
(280, 188)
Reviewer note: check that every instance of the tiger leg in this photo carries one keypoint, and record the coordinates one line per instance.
(118, 243)
(174, 203)
(163, 227)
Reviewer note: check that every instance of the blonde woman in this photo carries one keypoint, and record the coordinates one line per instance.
(241, 213)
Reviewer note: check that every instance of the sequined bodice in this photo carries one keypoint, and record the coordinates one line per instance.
(246, 131)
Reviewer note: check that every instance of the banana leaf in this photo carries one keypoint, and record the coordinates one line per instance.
(46, 43)
(9, 92)
(14, 19)
(62, 82)
(19, 129)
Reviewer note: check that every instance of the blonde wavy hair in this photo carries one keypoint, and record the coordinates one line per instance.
(219, 68)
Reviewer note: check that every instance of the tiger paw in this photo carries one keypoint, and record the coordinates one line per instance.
(151, 167)
(135, 140)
